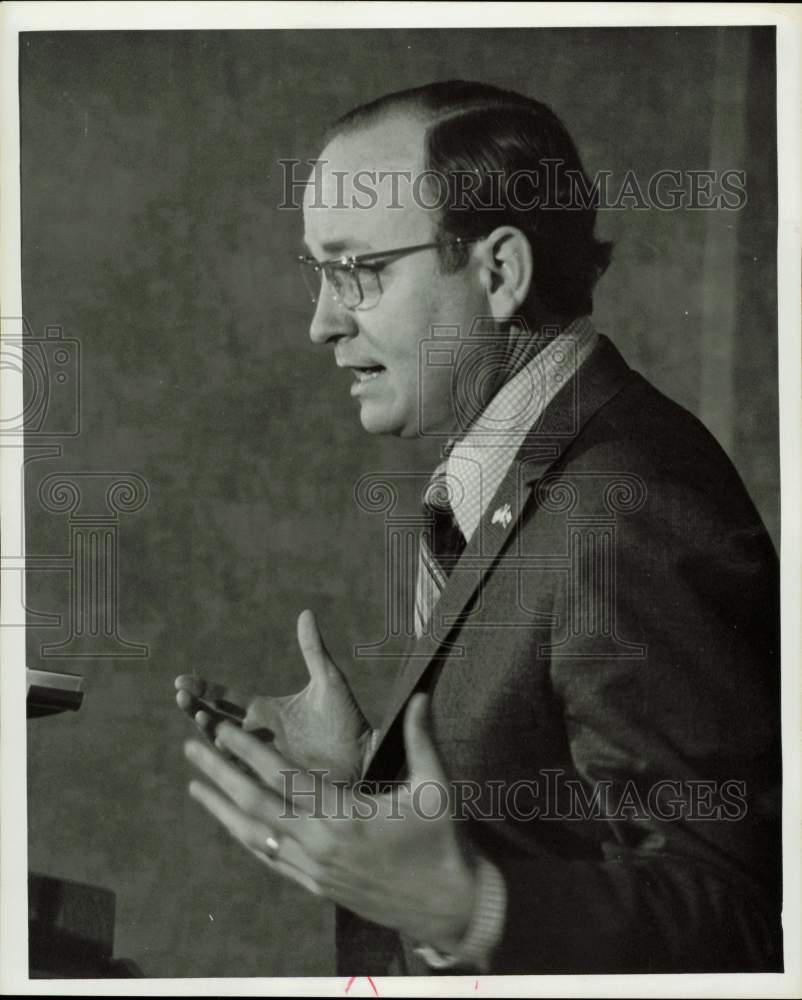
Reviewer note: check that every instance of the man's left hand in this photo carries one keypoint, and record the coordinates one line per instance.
(396, 859)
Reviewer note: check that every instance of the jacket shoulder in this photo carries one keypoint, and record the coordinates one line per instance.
(641, 431)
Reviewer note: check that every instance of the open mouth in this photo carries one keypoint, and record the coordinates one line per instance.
(365, 374)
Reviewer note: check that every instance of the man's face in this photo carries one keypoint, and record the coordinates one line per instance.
(380, 346)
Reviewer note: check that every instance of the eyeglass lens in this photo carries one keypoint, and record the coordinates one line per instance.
(351, 286)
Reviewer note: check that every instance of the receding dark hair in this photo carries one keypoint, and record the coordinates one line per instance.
(494, 134)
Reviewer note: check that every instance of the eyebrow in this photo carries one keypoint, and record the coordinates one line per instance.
(339, 248)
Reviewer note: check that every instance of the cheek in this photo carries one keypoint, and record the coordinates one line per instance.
(397, 338)
(413, 333)
(410, 307)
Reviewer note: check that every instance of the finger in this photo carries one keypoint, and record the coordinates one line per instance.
(292, 861)
(279, 774)
(308, 798)
(206, 723)
(264, 714)
(288, 820)
(191, 684)
(187, 701)
(250, 833)
(316, 656)
(205, 720)
(199, 687)
(246, 829)
(184, 699)
(422, 756)
(190, 706)
(298, 870)
(253, 799)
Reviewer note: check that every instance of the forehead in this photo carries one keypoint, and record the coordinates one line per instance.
(364, 194)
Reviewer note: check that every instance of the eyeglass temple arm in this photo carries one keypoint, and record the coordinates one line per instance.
(379, 255)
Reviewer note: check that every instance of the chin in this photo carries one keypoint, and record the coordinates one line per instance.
(380, 420)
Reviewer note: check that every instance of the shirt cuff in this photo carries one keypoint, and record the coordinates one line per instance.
(485, 929)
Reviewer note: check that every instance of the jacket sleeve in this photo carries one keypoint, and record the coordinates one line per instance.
(682, 745)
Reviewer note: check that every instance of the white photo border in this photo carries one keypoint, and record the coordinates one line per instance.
(16, 17)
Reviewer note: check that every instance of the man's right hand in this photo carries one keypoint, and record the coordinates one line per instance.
(319, 728)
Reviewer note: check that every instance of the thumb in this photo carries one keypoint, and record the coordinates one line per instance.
(422, 756)
(318, 661)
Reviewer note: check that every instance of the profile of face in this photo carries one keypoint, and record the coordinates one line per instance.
(380, 346)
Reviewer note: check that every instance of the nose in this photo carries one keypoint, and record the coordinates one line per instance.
(332, 320)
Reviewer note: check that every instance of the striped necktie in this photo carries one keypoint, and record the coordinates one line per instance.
(441, 543)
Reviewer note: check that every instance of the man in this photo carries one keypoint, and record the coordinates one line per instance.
(586, 726)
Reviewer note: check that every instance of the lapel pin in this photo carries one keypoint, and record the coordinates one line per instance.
(502, 516)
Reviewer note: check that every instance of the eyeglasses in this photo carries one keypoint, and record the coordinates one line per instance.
(355, 281)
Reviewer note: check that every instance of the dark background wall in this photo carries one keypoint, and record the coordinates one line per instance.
(151, 235)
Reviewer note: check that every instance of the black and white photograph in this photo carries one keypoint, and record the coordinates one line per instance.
(400, 499)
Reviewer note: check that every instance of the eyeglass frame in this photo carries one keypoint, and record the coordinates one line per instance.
(350, 262)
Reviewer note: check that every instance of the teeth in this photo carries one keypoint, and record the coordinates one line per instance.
(364, 375)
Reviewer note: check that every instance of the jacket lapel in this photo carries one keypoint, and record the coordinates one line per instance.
(603, 375)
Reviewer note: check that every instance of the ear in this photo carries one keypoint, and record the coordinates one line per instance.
(506, 270)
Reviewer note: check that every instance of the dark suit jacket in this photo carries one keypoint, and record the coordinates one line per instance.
(622, 630)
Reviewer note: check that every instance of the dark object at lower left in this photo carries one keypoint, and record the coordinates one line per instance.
(70, 924)
(71, 931)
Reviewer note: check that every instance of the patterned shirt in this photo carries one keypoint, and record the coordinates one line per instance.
(481, 459)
